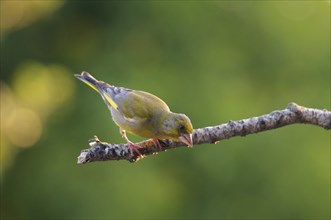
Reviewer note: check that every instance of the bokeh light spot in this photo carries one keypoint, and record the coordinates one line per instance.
(43, 88)
(18, 14)
(23, 127)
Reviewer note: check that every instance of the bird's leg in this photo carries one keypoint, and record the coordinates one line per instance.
(157, 143)
(132, 146)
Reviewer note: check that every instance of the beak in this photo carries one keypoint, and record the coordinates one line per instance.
(186, 139)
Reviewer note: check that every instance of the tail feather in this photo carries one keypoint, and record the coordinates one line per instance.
(98, 86)
(89, 80)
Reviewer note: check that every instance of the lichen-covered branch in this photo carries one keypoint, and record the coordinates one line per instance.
(293, 114)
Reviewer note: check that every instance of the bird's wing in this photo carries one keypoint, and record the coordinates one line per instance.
(133, 104)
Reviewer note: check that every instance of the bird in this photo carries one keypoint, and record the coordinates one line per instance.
(141, 113)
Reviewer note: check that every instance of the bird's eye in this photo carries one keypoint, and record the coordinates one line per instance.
(182, 128)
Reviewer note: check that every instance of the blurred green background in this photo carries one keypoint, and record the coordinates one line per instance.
(213, 60)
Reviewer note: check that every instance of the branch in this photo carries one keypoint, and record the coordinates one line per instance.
(293, 114)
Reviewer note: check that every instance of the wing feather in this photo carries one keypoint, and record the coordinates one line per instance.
(138, 104)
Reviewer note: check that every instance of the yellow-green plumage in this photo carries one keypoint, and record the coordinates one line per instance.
(141, 113)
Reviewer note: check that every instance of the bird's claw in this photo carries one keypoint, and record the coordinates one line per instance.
(134, 147)
(157, 143)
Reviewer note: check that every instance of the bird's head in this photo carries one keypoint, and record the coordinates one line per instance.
(178, 127)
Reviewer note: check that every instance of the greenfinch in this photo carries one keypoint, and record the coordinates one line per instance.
(141, 113)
